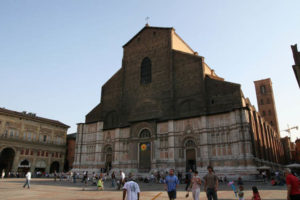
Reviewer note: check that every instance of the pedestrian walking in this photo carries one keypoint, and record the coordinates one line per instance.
(27, 182)
(256, 195)
(241, 192)
(264, 175)
(131, 189)
(293, 186)
(171, 184)
(55, 175)
(113, 179)
(74, 177)
(188, 178)
(122, 180)
(100, 184)
(211, 184)
(3, 174)
(195, 186)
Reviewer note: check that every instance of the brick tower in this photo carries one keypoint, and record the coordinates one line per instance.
(266, 102)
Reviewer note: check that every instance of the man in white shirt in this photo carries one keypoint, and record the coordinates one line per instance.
(132, 190)
(28, 177)
(122, 179)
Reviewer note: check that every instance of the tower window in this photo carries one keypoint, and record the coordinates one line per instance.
(263, 89)
(146, 71)
(268, 101)
(262, 102)
(269, 112)
(264, 113)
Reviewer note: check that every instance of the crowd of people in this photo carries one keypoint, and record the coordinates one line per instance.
(210, 182)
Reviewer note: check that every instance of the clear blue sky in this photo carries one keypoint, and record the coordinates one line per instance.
(55, 55)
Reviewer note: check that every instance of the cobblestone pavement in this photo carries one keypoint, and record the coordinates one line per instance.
(47, 189)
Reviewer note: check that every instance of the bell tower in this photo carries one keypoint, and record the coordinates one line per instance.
(266, 102)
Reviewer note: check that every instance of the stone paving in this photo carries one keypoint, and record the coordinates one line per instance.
(47, 189)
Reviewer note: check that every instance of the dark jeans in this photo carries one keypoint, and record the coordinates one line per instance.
(172, 194)
(295, 197)
(211, 194)
(188, 183)
(27, 183)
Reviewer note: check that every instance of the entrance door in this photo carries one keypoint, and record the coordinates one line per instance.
(145, 157)
(190, 159)
(108, 161)
(6, 160)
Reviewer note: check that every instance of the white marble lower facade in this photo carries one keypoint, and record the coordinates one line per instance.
(222, 140)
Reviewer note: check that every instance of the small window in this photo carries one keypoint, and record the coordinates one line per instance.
(262, 102)
(190, 143)
(264, 113)
(145, 133)
(269, 112)
(268, 101)
(45, 138)
(146, 71)
(263, 89)
(272, 123)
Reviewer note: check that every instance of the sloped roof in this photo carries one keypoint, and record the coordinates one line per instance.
(146, 27)
(33, 117)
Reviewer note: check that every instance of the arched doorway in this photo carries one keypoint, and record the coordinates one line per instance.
(6, 160)
(24, 167)
(54, 167)
(108, 158)
(145, 151)
(190, 155)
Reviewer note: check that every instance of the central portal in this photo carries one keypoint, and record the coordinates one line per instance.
(190, 159)
(145, 157)
(190, 150)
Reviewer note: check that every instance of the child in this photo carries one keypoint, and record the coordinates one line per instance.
(255, 193)
(100, 184)
(241, 192)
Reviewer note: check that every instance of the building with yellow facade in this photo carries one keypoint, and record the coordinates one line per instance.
(29, 142)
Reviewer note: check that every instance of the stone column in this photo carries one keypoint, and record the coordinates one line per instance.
(171, 144)
(16, 161)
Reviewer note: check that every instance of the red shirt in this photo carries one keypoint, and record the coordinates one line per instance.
(294, 182)
(256, 196)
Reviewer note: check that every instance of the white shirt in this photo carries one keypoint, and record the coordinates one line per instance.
(28, 175)
(132, 189)
(123, 175)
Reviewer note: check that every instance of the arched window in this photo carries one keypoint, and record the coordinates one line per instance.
(145, 133)
(146, 71)
(108, 150)
(263, 89)
(190, 143)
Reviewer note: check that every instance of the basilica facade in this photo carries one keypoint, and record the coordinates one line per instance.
(166, 108)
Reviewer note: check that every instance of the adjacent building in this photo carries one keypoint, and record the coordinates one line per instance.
(70, 152)
(166, 108)
(29, 142)
(296, 67)
(297, 151)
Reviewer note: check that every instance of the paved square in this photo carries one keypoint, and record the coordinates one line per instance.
(47, 189)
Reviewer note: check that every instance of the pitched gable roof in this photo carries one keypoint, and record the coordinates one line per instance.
(146, 27)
